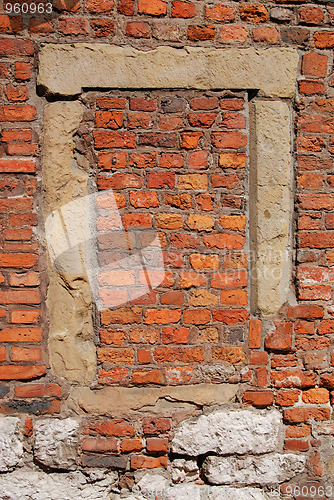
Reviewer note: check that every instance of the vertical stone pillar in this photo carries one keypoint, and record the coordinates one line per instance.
(271, 204)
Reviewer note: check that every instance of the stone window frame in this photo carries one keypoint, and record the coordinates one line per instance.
(67, 70)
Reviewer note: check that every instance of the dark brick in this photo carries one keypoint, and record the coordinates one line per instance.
(109, 461)
(295, 35)
(3, 390)
(173, 105)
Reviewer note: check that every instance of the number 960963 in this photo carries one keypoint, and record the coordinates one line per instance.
(28, 8)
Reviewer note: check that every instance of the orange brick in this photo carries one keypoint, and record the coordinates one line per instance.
(24, 315)
(179, 354)
(233, 33)
(100, 445)
(119, 356)
(21, 372)
(37, 390)
(233, 297)
(255, 13)
(152, 7)
(197, 316)
(162, 316)
(258, 399)
(131, 445)
(184, 10)
(116, 427)
(25, 354)
(172, 335)
(114, 376)
(314, 64)
(144, 462)
(157, 445)
(146, 377)
(316, 396)
(229, 354)
(219, 12)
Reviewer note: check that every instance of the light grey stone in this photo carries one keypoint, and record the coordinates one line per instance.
(271, 218)
(38, 485)
(218, 372)
(227, 493)
(281, 14)
(262, 470)
(229, 431)
(55, 442)
(184, 470)
(66, 69)
(11, 449)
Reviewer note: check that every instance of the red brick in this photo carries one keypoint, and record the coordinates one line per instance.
(67, 5)
(145, 199)
(258, 399)
(316, 396)
(144, 462)
(291, 378)
(25, 354)
(23, 71)
(312, 163)
(189, 140)
(157, 445)
(159, 180)
(219, 12)
(3, 356)
(157, 139)
(314, 64)
(233, 33)
(143, 104)
(100, 445)
(138, 29)
(156, 425)
(4, 70)
(118, 356)
(311, 15)
(162, 316)
(38, 390)
(109, 119)
(196, 316)
(103, 27)
(311, 274)
(280, 339)
(228, 140)
(184, 241)
(131, 445)
(24, 315)
(21, 372)
(306, 311)
(20, 297)
(118, 427)
(287, 398)
(183, 9)
(324, 39)
(255, 13)
(309, 344)
(16, 134)
(310, 87)
(171, 160)
(39, 25)
(233, 297)
(152, 7)
(17, 166)
(15, 47)
(296, 445)
(114, 376)
(171, 335)
(283, 360)
(268, 35)
(299, 415)
(28, 427)
(120, 181)
(258, 358)
(74, 26)
(120, 140)
(16, 93)
(146, 377)
(99, 6)
(310, 143)
(197, 33)
(230, 354)
(224, 240)
(171, 122)
(315, 293)
(230, 316)
(204, 103)
(17, 113)
(126, 7)
(179, 354)
(144, 356)
(254, 334)
(229, 279)
(293, 431)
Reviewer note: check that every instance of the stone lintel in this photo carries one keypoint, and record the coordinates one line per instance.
(119, 401)
(67, 69)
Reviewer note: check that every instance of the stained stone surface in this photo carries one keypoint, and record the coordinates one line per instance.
(55, 442)
(264, 470)
(11, 449)
(66, 69)
(228, 432)
(37, 485)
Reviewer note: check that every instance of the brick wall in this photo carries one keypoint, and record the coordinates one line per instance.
(177, 162)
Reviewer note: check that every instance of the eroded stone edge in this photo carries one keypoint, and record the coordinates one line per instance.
(67, 69)
(71, 336)
(271, 223)
(120, 401)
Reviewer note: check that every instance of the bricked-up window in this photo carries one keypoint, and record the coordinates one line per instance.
(176, 162)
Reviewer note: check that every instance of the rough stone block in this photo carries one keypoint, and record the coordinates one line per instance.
(56, 442)
(265, 470)
(228, 431)
(11, 449)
